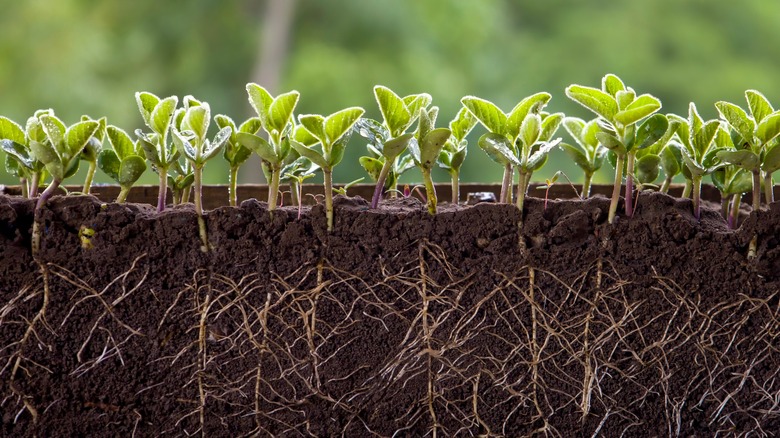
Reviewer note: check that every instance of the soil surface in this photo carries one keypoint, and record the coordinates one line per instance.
(474, 322)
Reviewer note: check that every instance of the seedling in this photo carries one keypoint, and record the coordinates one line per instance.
(587, 153)
(332, 133)
(161, 153)
(192, 141)
(389, 139)
(453, 155)
(180, 180)
(730, 180)
(756, 134)
(19, 160)
(425, 148)
(699, 149)
(122, 162)
(549, 182)
(672, 164)
(91, 152)
(620, 112)
(522, 138)
(234, 152)
(297, 172)
(276, 115)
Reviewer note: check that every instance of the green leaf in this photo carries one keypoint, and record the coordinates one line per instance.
(78, 134)
(692, 164)
(260, 100)
(738, 119)
(601, 103)
(530, 105)
(54, 129)
(491, 117)
(18, 152)
(772, 159)
(550, 126)
(251, 125)
(259, 145)
(9, 130)
(281, 111)
(769, 128)
(741, 182)
(109, 163)
(415, 102)
(539, 156)
(671, 159)
(574, 126)
(395, 147)
(372, 166)
(498, 148)
(431, 146)
(394, 111)
(759, 105)
(45, 153)
(315, 124)
(612, 84)
(131, 169)
(146, 104)
(339, 123)
(463, 123)
(530, 129)
(307, 152)
(304, 136)
(745, 159)
(651, 131)
(611, 142)
(640, 108)
(578, 156)
(120, 141)
(337, 150)
(211, 148)
(183, 143)
(71, 169)
(647, 168)
(161, 116)
(197, 119)
(702, 139)
(624, 98)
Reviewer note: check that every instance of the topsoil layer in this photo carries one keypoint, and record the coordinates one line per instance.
(396, 323)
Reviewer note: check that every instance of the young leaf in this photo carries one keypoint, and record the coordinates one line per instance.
(576, 155)
(307, 152)
(463, 123)
(745, 159)
(372, 166)
(197, 120)
(260, 100)
(281, 111)
(640, 108)
(259, 145)
(146, 105)
(211, 148)
(161, 115)
(109, 163)
(338, 124)
(131, 168)
(651, 130)
(393, 109)
(315, 124)
(769, 128)
(183, 143)
(612, 84)
(530, 129)
(432, 145)
(46, 154)
(394, 147)
(647, 168)
(611, 142)
(54, 129)
(78, 134)
(550, 126)
(498, 148)
(738, 119)
(487, 113)
(772, 159)
(9, 130)
(530, 105)
(759, 105)
(120, 141)
(415, 102)
(599, 102)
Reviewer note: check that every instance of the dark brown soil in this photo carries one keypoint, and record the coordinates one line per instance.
(395, 324)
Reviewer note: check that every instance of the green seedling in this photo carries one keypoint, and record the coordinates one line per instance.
(549, 182)
(159, 151)
(672, 164)
(192, 142)
(234, 152)
(520, 139)
(731, 181)
(425, 147)
(91, 152)
(180, 180)
(620, 111)
(699, 150)
(332, 133)
(454, 152)
(19, 160)
(756, 135)
(276, 119)
(587, 153)
(297, 172)
(389, 139)
(343, 189)
(123, 161)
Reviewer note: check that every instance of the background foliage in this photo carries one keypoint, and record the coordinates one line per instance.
(80, 56)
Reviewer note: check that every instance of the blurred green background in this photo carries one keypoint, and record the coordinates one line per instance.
(87, 57)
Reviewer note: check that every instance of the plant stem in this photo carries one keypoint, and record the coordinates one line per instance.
(734, 214)
(506, 185)
(34, 183)
(665, 185)
(232, 187)
(630, 159)
(123, 192)
(328, 174)
(184, 197)
(25, 188)
(697, 196)
(299, 198)
(455, 175)
(756, 190)
(273, 188)
(768, 192)
(687, 189)
(616, 189)
(36, 234)
(380, 183)
(522, 187)
(198, 171)
(725, 202)
(90, 175)
(163, 192)
(586, 185)
(430, 190)
(295, 187)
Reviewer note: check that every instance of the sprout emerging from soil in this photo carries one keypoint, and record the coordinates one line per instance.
(756, 139)
(123, 161)
(332, 133)
(454, 152)
(234, 152)
(699, 149)
(157, 114)
(297, 172)
(389, 139)
(620, 110)
(19, 160)
(588, 154)
(276, 115)
(425, 148)
(520, 139)
(192, 141)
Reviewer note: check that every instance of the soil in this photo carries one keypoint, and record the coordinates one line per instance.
(474, 322)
